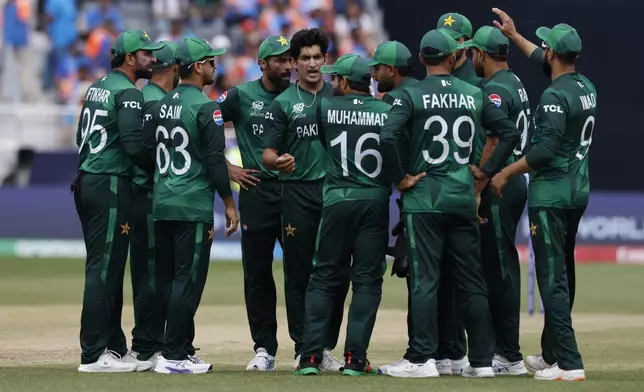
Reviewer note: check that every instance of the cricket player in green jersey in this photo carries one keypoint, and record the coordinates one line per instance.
(452, 344)
(499, 255)
(191, 166)
(259, 202)
(393, 71)
(150, 283)
(559, 189)
(355, 217)
(110, 139)
(441, 114)
(292, 146)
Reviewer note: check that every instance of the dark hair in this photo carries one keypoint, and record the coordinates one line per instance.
(432, 61)
(309, 37)
(407, 71)
(363, 86)
(568, 58)
(498, 57)
(185, 71)
(117, 61)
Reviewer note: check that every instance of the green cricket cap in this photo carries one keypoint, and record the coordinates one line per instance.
(351, 66)
(562, 38)
(191, 50)
(166, 56)
(440, 40)
(131, 41)
(392, 53)
(273, 46)
(490, 40)
(458, 24)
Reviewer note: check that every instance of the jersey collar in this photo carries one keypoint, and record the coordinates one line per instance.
(123, 75)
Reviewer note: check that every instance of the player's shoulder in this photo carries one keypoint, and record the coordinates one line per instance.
(152, 92)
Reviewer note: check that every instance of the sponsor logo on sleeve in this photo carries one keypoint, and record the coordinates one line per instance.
(222, 97)
(218, 117)
(496, 100)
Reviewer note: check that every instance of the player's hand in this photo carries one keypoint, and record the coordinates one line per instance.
(232, 220)
(285, 163)
(498, 182)
(410, 181)
(243, 177)
(506, 26)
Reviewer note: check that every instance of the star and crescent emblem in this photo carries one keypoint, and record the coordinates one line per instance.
(449, 21)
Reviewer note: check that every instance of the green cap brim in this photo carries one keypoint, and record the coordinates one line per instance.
(466, 44)
(372, 62)
(327, 69)
(543, 32)
(153, 46)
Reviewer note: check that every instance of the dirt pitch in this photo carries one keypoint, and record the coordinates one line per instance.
(48, 335)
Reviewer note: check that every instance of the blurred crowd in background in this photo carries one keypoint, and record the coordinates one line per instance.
(76, 36)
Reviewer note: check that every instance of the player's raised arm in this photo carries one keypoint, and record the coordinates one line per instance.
(509, 30)
(395, 127)
(276, 127)
(129, 111)
(211, 121)
(499, 124)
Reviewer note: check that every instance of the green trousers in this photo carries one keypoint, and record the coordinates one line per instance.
(151, 280)
(301, 213)
(553, 233)
(434, 237)
(260, 214)
(183, 247)
(500, 261)
(103, 204)
(349, 230)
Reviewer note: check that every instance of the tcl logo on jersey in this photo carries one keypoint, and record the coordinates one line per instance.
(132, 104)
(268, 116)
(397, 102)
(496, 100)
(218, 117)
(222, 97)
(552, 108)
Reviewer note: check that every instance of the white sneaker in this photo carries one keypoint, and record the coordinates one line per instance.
(296, 363)
(554, 373)
(330, 363)
(479, 372)
(195, 358)
(384, 368)
(444, 367)
(263, 362)
(414, 370)
(534, 363)
(459, 365)
(503, 367)
(141, 366)
(186, 366)
(108, 362)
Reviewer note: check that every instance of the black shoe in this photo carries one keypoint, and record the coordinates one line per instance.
(309, 366)
(357, 367)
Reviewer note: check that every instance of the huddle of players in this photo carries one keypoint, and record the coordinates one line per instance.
(318, 163)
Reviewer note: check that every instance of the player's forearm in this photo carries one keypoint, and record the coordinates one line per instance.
(508, 138)
(218, 173)
(269, 158)
(524, 44)
(519, 167)
(135, 148)
(488, 149)
(392, 163)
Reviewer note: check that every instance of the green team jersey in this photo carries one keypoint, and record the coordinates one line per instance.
(467, 73)
(246, 106)
(441, 114)
(350, 131)
(506, 92)
(109, 134)
(292, 127)
(190, 156)
(558, 157)
(391, 97)
(152, 94)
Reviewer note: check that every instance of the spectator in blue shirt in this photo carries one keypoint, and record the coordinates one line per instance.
(16, 38)
(61, 18)
(104, 10)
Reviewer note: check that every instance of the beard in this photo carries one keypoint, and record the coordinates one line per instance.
(479, 70)
(337, 92)
(385, 86)
(143, 73)
(546, 68)
(281, 81)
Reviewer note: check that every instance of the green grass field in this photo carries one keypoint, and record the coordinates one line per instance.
(40, 312)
